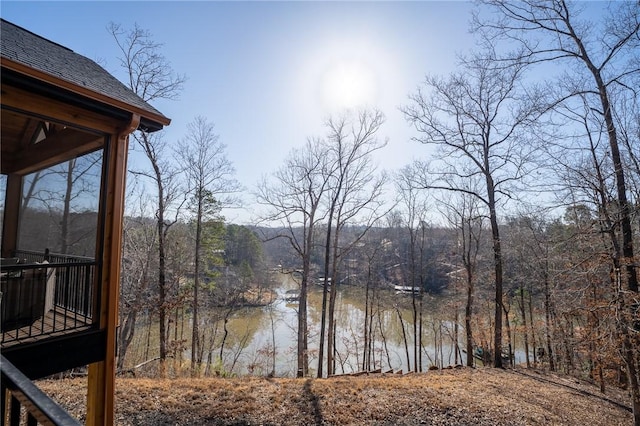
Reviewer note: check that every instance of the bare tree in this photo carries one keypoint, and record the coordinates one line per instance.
(151, 76)
(209, 179)
(81, 175)
(370, 256)
(529, 252)
(414, 207)
(589, 176)
(66, 191)
(476, 120)
(294, 198)
(627, 116)
(601, 56)
(553, 31)
(139, 242)
(164, 176)
(354, 197)
(465, 214)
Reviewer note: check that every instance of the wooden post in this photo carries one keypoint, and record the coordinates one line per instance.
(11, 215)
(101, 380)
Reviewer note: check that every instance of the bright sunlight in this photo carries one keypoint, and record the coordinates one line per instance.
(348, 84)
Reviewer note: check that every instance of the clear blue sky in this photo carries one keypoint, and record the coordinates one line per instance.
(269, 73)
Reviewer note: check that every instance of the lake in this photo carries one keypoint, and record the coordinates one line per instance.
(256, 330)
(252, 333)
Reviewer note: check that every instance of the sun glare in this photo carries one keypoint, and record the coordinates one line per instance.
(348, 84)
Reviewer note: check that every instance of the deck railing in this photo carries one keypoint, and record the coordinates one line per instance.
(25, 403)
(44, 294)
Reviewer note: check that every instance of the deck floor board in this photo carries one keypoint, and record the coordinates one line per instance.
(56, 322)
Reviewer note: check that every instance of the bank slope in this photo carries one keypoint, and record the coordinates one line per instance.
(449, 397)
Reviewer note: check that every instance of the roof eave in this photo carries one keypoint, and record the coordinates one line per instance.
(153, 120)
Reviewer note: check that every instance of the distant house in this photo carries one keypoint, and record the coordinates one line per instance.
(64, 142)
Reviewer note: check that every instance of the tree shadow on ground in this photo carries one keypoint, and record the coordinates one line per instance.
(313, 403)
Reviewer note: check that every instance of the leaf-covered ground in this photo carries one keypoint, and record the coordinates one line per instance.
(448, 397)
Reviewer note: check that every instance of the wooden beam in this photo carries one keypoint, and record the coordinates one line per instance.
(62, 353)
(56, 148)
(31, 104)
(32, 125)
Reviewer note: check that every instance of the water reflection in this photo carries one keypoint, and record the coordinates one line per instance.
(257, 331)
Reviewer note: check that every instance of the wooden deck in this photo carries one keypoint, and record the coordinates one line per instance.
(56, 322)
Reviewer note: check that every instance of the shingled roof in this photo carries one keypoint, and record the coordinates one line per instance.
(84, 75)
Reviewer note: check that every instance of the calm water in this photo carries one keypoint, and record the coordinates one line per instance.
(256, 329)
(252, 334)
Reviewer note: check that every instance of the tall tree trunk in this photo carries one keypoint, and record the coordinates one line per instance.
(521, 305)
(177, 348)
(325, 291)
(162, 296)
(323, 325)
(630, 344)
(404, 339)
(414, 307)
(302, 317)
(468, 312)
(366, 352)
(456, 347)
(547, 320)
(497, 263)
(420, 323)
(195, 333)
(414, 312)
(371, 329)
(332, 299)
(125, 336)
(630, 356)
(507, 325)
(533, 331)
(331, 334)
(148, 339)
(384, 339)
(273, 341)
(66, 210)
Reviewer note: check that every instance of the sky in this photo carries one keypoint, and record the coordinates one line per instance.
(269, 74)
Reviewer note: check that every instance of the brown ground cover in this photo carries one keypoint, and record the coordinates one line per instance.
(462, 396)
